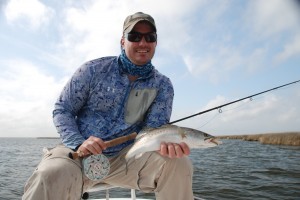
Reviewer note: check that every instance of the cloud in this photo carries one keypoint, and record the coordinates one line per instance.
(90, 32)
(95, 29)
(199, 65)
(268, 19)
(274, 27)
(27, 99)
(290, 50)
(32, 12)
(215, 64)
(248, 109)
(260, 30)
(256, 60)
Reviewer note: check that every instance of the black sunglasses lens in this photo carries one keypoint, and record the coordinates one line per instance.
(137, 37)
(151, 37)
(134, 37)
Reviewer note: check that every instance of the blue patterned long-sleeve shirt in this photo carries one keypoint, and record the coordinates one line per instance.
(99, 100)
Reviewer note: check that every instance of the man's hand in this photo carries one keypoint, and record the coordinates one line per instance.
(92, 145)
(174, 150)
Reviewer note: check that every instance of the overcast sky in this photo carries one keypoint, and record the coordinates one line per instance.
(214, 51)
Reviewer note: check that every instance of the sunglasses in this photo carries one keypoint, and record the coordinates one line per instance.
(137, 37)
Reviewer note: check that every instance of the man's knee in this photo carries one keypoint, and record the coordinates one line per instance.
(59, 168)
(53, 178)
(182, 165)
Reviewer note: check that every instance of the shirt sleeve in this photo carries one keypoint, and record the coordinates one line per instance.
(160, 111)
(71, 100)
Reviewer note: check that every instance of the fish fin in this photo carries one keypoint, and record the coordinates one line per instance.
(146, 130)
(143, 132)
(140, 135)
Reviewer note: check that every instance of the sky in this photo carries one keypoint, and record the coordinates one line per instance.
(214, 52)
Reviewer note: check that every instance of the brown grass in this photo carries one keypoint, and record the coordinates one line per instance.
(288, 138)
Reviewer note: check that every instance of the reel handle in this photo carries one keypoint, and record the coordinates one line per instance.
(110, 143)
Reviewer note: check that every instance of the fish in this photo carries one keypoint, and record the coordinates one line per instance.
(150, 139)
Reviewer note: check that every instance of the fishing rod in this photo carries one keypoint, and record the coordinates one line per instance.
(226, 104)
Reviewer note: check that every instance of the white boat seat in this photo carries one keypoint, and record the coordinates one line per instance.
(107, 187)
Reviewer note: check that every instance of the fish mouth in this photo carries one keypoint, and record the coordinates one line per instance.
(213, 140)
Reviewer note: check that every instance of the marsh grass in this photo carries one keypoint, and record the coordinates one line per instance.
(287, 138)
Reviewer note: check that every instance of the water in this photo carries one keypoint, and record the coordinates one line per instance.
(235, 170)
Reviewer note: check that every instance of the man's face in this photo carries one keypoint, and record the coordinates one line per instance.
(140, 52)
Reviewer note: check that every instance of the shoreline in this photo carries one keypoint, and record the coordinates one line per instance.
(286, 138)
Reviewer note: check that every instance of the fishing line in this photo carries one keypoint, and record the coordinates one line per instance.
(243, 104)
(221, 111)
(226, 104)
(208, 121)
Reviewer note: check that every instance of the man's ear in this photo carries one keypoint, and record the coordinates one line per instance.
(122, 42)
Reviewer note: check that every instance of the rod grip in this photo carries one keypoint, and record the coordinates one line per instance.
(110, 143)
(120, 140)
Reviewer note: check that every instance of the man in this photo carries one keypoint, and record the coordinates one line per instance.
(107, 98)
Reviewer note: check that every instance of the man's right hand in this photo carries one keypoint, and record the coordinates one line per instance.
(92, 145)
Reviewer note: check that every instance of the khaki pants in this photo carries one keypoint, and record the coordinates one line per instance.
(58, 177)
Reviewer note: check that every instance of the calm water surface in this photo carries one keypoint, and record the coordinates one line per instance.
(234, 170)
